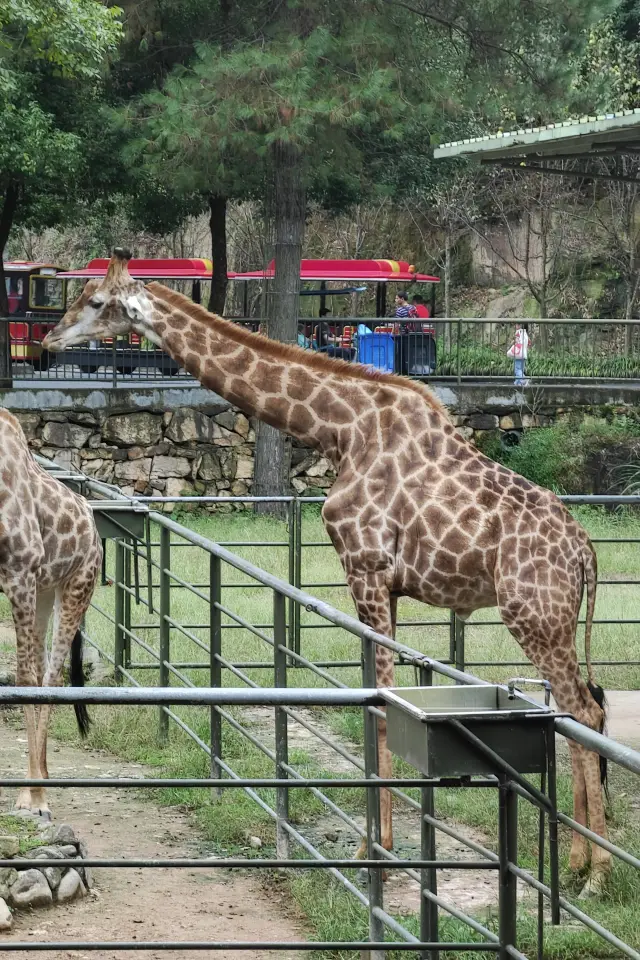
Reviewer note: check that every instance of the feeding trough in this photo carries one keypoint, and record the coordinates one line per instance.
(419, 729)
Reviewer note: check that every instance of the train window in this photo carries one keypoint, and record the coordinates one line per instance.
(47, 293)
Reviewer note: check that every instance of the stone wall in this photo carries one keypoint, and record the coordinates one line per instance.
(190, 441)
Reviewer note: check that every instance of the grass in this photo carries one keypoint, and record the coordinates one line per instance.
(228, 823)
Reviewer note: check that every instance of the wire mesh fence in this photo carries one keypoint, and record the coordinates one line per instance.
(455, 349)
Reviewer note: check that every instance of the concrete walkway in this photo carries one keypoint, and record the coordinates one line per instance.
(623, 715)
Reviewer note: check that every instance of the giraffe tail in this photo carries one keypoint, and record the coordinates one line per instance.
(76, 676)
(590, 565)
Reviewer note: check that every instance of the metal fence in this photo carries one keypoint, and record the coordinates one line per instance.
(444, 635)
(450, 350)
(178, 613)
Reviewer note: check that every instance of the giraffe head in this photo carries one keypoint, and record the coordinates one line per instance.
(105, 308)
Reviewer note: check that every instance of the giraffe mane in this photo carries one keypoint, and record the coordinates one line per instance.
(287, 351)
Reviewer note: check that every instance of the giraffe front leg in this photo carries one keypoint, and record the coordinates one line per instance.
(21, 593)
(377, 608)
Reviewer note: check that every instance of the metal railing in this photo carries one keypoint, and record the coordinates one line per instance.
(140, 625)
(446, 636)
(449, 350)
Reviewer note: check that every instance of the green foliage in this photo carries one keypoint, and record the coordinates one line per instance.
(556, 457)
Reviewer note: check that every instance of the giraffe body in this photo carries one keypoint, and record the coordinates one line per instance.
(415, 511)
(50, 558)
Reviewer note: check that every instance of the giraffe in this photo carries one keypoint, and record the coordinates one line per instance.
(415, 510)
(50, 558)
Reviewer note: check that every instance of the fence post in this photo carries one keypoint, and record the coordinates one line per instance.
(165, 628)
(554, 868)
(374, 876)
(458, 358)
(298, 573)
(281, 723)
(459, 643)
(126, 634)
(215, 651)
(291, 522)
(428, 878)
(508, 853)
(118, 643)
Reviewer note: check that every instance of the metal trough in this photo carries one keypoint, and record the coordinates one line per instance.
(419, 729)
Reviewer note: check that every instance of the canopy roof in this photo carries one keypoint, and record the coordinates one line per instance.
(606, 135)
(191, 268)
(356, 271)
(27, 266)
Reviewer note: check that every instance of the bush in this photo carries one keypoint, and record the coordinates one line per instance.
(562, 457)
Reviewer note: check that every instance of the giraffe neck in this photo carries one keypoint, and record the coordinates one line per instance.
(240, 367)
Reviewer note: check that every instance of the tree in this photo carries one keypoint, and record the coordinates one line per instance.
(305, 88)
(51, 53)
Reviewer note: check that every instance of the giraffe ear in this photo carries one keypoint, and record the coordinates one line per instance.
(133, 308)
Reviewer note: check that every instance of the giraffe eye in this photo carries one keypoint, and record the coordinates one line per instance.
(95, 304)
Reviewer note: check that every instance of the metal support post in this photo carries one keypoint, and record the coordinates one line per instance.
(103, 573)
(554, 865)
(508, 853)
(215, 677)
(428, 878)
(147, 531)
(452, 637)
(165, 628)
(281, 723)
(127, 604)
(118, 644)
(298, 571)
(374, 876)
(291, 523)
(459, 643)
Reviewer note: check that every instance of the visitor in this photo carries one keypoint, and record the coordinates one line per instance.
(519, 352)
(422, 309)
(403, 307)
(329, 340)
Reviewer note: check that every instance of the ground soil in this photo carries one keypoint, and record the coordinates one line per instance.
(149, 905)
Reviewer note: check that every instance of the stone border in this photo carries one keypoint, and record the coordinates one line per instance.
(23, 888)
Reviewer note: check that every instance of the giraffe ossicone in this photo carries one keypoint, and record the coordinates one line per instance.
(415, 511)
(50, 558)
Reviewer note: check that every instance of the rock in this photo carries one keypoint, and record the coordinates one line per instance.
(227, 464)
(239, 488)
(65, 434)
(319, 468)
(208, 467)
(6, 920)
(483, 421)
(47, 853)
(225, 438)
(135, 453)
(9, 847)
(244, 468)
(53, 876)
(87, 876)
(64, 834)
(298, 484)
(242, 425)
(177, 487)
(512, 421)
(69, 850)
(465, 432)
(255, 842)
(71, 886)
(509, 305)
(29, 423)
(228, 420)
(8, 876)
(99, 470)
(133, 429)
(30, 890)
(187, 424)
(7, 679)
(133, 470)
(170, 467)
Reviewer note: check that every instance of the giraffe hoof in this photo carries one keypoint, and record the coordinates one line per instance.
(594, 887)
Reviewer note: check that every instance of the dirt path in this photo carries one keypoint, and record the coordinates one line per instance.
(140, 904)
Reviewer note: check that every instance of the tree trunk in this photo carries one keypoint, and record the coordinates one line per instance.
(6, 222)
(218, 226)
(448, 339)
(286, 218)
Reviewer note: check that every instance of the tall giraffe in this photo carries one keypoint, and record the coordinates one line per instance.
(415, 510)
(50, 558)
